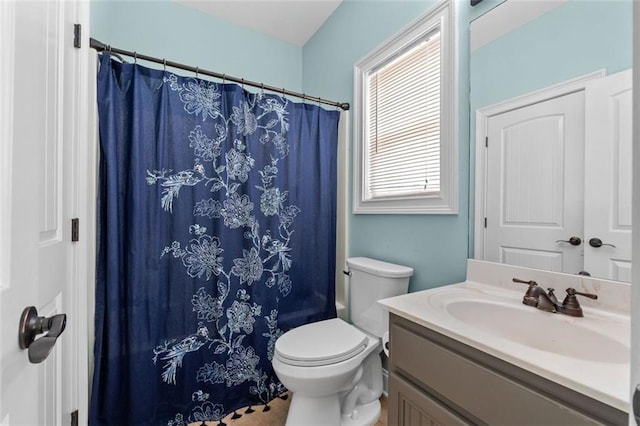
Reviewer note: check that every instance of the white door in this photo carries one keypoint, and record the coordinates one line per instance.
(38, 194)
(608, 158)
(534, 201)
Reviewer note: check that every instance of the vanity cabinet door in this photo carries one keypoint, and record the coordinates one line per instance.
(409, 406)
(485, 394)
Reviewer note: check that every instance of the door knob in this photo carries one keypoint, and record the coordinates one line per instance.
(597, 242)
(31, 325)
(574, 241)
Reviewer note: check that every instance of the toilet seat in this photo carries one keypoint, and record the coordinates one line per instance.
(320, 343)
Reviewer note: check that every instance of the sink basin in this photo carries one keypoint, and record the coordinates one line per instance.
(537, 329)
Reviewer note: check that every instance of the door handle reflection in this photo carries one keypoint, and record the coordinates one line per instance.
(574, 241)
(597, 242)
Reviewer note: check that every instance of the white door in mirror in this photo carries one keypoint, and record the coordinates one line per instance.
(535, 177)
(608, 141)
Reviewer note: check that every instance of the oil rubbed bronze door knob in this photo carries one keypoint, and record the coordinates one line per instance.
(31, 325)
(597, 242)
(574, 241)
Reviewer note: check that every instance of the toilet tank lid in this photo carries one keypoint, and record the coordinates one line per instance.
(378, 267)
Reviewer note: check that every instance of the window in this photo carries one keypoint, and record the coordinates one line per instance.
(405, 138)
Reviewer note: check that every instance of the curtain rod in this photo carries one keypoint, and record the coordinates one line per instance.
(101, 47)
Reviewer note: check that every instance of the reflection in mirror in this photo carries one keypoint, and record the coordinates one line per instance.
(551, 125)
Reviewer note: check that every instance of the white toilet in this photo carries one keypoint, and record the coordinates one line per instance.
(333, 368)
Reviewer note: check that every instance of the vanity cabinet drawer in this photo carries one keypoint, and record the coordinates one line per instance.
(477, 393)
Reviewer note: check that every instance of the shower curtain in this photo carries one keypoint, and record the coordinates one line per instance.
(216, 235)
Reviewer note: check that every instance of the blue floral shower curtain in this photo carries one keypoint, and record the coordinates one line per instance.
(216, 235)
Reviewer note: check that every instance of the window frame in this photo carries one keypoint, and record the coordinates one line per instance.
(441, 16)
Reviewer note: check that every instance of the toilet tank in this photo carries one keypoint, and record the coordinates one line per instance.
(371, 280)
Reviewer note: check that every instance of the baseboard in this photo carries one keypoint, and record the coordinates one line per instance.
(385, 382)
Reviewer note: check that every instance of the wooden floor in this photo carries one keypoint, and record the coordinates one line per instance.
(278, 414)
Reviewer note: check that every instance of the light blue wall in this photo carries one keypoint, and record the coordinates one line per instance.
(574, 39)
(434, 245)
(167, 29)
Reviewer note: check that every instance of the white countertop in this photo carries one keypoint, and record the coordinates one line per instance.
(598, 372)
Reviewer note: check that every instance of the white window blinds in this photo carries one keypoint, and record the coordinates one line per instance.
(403, 116)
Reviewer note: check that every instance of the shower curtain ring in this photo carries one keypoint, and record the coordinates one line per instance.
(319, 101)
(135, 57)
(224, 79)
(197, 71)
(243, 84)
(164, 64)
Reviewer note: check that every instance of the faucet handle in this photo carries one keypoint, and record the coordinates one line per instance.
(533, 292)
(532, 285)
(530, 282)
(571, 291)
(571, 306)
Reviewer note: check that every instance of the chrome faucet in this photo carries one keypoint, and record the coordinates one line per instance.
(537, 297)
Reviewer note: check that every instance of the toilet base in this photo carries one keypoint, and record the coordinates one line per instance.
(325, 411)
(364, 415)
(313, 411)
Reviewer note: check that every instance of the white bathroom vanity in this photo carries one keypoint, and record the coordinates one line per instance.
(474, 353)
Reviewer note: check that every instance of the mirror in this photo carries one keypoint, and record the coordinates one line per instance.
(551, 135)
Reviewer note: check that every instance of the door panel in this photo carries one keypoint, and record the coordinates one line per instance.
(535, 185)
(608, 142)
(532, 163)
(549, 261)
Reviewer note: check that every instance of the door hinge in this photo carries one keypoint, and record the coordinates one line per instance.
(486, 141)
(77, 35)
(485, 222)
(74, 418)
(75, 229)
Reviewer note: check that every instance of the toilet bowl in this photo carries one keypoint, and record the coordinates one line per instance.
(332, 368)
(338, 384)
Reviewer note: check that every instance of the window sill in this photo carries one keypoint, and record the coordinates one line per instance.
(414, 205)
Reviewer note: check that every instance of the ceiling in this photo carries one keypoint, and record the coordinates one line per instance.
(293, 21)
